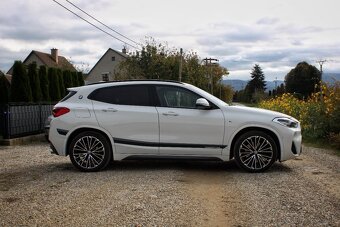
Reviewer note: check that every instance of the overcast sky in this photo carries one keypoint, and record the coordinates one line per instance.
(276, 34)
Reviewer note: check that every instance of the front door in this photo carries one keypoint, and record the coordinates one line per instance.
(185, 129)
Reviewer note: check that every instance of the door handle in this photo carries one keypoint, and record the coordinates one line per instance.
(170, 114)
(109, 110)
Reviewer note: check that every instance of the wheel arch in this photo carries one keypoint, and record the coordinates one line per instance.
(83, 129)
(257, 128)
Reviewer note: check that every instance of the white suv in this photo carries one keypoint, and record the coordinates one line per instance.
(98, 123)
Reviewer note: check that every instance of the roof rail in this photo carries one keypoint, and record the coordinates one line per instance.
(132, 80)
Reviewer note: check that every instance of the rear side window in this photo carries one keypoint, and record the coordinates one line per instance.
(137, 95)
(69, 95)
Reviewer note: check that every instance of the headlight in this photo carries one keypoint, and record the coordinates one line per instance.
(286, 122)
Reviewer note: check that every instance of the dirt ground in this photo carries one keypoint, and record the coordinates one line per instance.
(40, 189)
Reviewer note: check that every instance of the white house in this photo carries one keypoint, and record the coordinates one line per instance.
(105, 68)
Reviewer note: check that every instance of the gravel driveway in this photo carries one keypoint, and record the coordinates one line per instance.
(40, 189)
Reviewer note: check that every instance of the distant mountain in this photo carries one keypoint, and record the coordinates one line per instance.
(241, 84)
(270, 85)
(330, 77)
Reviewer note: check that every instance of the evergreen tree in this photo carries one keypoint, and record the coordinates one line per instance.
(44, 84)
(67, 79)
(20, 86)
(53, 85)
(34, 82)
(61, 83)
(74, 79)
(4, 89)
(257, 83)
(80, 78)
(303, 79)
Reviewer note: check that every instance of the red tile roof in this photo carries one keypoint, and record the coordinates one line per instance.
(48, 61)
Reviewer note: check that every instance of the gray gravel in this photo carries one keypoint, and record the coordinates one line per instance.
(40, 189)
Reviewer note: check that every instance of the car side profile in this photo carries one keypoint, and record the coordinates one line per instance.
(120, 120)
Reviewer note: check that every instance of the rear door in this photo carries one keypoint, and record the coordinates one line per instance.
(126, 111)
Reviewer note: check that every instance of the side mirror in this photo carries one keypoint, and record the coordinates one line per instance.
(202, 104)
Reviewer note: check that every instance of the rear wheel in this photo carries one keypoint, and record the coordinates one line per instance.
(255, 151)
(90, 151)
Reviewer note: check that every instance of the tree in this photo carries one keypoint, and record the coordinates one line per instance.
(80, 78)
(20, 86)
(257, 83)
(256, 86)
(67, 79)
(157, 61)
(53, 84)
(303, 79)
(34, 82)
(4, 89)
(44, 84)
(62, 89)
(75, 80)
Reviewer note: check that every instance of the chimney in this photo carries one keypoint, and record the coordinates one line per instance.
(54, 54)
(124, 50)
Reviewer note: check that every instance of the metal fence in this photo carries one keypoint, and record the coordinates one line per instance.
(17, 120)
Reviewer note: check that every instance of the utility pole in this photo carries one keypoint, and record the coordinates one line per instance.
(321, 62)
(209, 62)
(275, 83)
(180, 65)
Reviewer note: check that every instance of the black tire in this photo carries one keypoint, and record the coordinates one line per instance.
(90, 151)
(255, 151)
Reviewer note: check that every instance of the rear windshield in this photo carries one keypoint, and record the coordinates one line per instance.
(69, 95)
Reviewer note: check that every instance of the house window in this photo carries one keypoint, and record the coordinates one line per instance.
(113, 58)
(105, 76)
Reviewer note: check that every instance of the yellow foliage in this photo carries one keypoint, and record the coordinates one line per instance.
(318, 114)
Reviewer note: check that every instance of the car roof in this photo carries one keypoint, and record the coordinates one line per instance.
(96, 85)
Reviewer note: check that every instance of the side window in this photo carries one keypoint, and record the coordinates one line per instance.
(176, 97)
(137, 95)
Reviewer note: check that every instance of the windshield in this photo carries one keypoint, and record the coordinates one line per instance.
(211, 98)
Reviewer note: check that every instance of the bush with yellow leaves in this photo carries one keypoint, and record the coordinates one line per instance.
(319, 114)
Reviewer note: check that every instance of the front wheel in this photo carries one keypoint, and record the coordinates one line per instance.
(255, 151)
(90, 151)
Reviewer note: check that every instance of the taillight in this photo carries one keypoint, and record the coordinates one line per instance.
(58, 111)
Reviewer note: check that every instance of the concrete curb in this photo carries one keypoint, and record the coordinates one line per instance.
(23, 140)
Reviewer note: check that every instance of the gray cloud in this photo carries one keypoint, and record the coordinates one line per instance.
(268, 21)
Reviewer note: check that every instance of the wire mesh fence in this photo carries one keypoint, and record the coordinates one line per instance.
(17, 120)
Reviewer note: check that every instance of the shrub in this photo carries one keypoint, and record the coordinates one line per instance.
(319, 115)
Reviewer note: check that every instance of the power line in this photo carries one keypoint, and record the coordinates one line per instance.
(95, 25)
(102, 23)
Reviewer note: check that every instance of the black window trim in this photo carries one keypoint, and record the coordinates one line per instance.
(157, 102)
(151, 101)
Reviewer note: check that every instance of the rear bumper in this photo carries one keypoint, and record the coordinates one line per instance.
(53, 150)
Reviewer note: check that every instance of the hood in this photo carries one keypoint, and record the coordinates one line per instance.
(251, 111)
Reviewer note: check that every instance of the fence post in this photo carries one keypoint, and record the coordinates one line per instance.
(7, 126)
